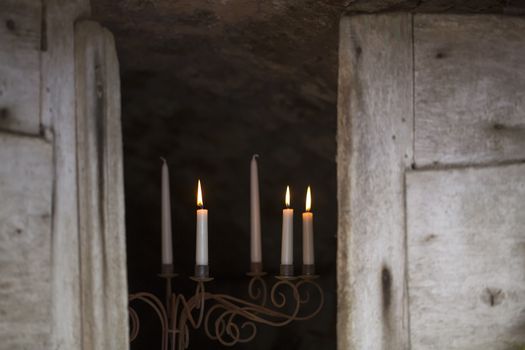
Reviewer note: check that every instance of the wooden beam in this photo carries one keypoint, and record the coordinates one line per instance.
(101, 190)
(374, 148)
(59, 125)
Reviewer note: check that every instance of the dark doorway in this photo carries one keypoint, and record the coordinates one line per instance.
(207, 84)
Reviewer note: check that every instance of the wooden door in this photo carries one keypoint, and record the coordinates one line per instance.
(62, 238)
(431, 145)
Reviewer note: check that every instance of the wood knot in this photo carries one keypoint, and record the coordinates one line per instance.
(440, 55)
(386, 286)
(430, 237)
(492, 296)
(498, 126)
(10, 25)
(4, 114)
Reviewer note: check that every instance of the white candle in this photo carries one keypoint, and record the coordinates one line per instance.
(167, 253)
(201, 253)
(255, 213)
(308, 232)
(287, 232)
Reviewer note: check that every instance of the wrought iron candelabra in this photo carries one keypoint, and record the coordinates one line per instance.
(227, 319)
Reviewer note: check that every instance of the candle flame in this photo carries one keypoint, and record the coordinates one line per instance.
(308, 199)
(287, 197)
(200, 203)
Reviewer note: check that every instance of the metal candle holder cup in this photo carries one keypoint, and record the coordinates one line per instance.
(308, 270)
(202, 271)
(256, 267)
(286, 270)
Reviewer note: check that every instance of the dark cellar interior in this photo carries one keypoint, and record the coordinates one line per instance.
(206, 84)
(206, 90)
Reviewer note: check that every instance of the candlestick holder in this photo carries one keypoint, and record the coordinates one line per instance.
(202, 271)
(227, 319)
(286, 270)
(308, 269)
(256, 267)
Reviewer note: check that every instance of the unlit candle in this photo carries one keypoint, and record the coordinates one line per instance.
(167, 253)
(255, 214)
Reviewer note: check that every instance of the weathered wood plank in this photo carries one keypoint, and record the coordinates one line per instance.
(20, 43)
(58, 119)
(114, 206)
(374, 149)
(466, 254)
(470, 89)
(101, 186)
(21, 24)
(25, 239)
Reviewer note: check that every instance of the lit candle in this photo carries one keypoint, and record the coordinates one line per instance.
(308, 236)
(287, 237)
(167, 253)
(201, 254)
(255, 216)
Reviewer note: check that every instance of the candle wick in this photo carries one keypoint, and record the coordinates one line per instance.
(255, 156)
(163, 159)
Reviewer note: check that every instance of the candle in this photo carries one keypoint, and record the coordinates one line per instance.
(287, 232)
(308, 231)
(201, 254)
(167, 253)
(255, 214)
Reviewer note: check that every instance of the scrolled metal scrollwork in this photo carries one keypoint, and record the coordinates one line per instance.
(230, 320)
(258, 289)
